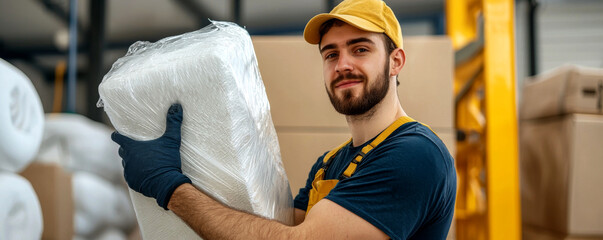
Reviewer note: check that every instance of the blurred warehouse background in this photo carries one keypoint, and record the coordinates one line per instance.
(549, 36)
(35, 33)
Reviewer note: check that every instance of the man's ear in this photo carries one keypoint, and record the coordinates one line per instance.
(396, 61)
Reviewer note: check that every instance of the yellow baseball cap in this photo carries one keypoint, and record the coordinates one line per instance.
(368, 15)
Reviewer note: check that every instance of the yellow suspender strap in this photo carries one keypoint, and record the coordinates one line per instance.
(366, 149)
(320, 174)
(334, 151)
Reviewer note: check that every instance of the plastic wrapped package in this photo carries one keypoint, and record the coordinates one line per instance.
(229, 145)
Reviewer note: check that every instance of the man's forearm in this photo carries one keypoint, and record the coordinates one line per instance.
(212, 220)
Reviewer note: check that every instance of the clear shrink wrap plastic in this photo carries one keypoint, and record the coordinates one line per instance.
(229, 146)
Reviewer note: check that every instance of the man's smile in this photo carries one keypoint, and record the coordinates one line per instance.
(347, 83)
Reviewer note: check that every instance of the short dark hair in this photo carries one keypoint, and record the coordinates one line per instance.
(390, 46)
(326, 26)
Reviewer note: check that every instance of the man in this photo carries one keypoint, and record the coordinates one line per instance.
(393, 179)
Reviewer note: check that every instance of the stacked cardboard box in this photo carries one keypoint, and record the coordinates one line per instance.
(53, 187)
(533, 233)
(306, 123)
(561, 139)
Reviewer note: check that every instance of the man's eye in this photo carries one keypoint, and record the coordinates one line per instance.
(330, 55)
(361, 50)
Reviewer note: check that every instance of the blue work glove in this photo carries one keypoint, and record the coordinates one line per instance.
(153, 167)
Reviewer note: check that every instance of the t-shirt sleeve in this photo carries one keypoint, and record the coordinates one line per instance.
(301, 200)
(397, 186)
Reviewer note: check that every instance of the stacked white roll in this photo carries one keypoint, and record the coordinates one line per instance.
(21, 119)
(79, 144)
(100, 205)
(21, 124)
(106, 234)
(111, 234)
(20, 212)
(84, 148)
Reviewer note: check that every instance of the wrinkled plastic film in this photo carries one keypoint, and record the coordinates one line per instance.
(229, 145)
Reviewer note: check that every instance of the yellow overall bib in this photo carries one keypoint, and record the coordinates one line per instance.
(321, 187)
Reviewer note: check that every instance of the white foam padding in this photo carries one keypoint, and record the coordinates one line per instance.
(79, 144)
(229, 145)
(20, 211)
(99, 204)
(21, 119)
(105, 234)
(111, 234)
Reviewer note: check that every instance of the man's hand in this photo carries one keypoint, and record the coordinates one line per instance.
(153, 167)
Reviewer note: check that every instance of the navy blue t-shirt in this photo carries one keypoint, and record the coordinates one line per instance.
(406, 186)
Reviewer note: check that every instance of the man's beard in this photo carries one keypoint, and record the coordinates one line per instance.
(348, 105)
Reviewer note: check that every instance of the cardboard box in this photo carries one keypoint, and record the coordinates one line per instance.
(292, 73)
(305, 121)
(54, 189)
(426, 80)
(561, 159)
(567, 89)
(135, 234)
(300, 150)
(449, 138)
(533, 233)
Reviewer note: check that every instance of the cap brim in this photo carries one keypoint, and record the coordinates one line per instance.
(311, 32)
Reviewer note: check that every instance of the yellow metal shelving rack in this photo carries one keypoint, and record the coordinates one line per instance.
(488, 203)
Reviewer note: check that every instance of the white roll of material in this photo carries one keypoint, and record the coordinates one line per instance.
(21, 119)
(99, 205)
(229, 145)
(20, 214)
(111, 234)
(79, 144)
(105, 234)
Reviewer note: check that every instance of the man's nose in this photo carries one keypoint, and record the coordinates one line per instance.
(344, 63)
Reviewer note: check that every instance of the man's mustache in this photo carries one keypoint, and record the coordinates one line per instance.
(347, 76)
